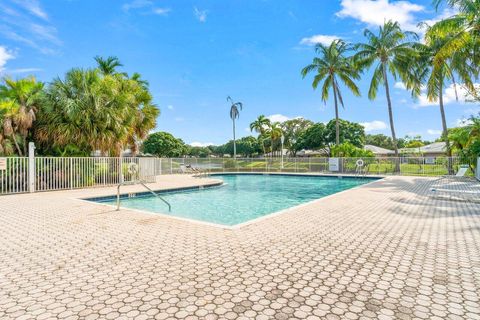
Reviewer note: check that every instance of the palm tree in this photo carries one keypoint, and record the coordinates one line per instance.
(8, 111)
(235, 109)
(331, 65)
(259, 126)
(26, 94)
(465, 27)
(435, 71)
(392, 52)
(109, 65)
(275, 132)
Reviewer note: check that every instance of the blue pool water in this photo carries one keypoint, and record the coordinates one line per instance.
(242, 197)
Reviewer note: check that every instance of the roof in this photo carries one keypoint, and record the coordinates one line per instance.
(377, 150)
(436, 147)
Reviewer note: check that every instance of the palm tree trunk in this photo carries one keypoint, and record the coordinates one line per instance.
(337, 126)
(444, 125)
(234, 142)
(390, 115)
(19, 150)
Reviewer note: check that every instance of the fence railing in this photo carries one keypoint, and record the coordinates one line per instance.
(22, 174)
(28, 174)
(411, 166)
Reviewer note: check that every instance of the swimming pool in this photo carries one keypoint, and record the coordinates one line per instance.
(241, 198)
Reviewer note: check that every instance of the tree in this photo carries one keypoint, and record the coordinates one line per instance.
(380, 140)
(331, 66)
(348, 150)
(8, 110)
(235, 109)
(108, 66)
(164, 144)
(260, 125)
(350, 132)
(465, 27)
(435, 71)
(313, 138)
(25, 93)
(292, 130)
(274, 132)
(393, 53)
(95, 112)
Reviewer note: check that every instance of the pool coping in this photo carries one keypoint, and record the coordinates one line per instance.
(217, 184)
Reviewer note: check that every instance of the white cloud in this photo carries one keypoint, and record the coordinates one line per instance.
(434, 132)
(280, 118)
(162, 11)
(201, 144)
(400, 85)
(463, 122)
(319, 38)
(33, 6)
(179, 119)
(376, 12)
(147, 6)
(27, 23)
(201, 15)
(24, 70)
(374, 125)
(449, 96)
(170, 107)
(5, 55)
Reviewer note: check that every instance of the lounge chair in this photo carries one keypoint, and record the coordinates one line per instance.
(185, 169)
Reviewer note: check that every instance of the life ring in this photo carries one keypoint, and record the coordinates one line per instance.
(132, 168)
(360, 163)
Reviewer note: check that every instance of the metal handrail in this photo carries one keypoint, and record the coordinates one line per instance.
(143, 184)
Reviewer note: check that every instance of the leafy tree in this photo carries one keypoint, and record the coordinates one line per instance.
(313, 138)
(466, 139)
(235, 109)
(392, 53)
(380, 140)
(8, 109)
(24, 94)
(331, 65)
(292, 130)
(348, 150)
(350, 132)
(200, 152)
(164, 144)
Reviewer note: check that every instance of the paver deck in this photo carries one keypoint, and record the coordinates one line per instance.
(387, 250)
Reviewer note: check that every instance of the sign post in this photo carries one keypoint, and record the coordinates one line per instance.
(333, 164)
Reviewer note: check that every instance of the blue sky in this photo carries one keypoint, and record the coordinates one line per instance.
(196, 53)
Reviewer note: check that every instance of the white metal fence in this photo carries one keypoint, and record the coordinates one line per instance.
(411, 166)
(22, 174)
(28, 174)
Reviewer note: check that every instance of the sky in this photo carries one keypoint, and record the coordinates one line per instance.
(196, 53)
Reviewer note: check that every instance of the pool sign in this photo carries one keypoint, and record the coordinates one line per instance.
(429, 160)
(3, 164)
(333, 164)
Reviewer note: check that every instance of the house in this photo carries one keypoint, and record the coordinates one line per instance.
(436, 149)
(378, 151)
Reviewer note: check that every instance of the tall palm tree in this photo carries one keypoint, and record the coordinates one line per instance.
(435, 71)
(235, 109)
(26, 94)
(260, 125)
(108, 66)
(392, 52)
(332, 65)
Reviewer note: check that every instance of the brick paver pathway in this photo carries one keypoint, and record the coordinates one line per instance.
(388, 250)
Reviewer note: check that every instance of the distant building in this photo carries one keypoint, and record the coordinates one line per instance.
(378, 151)
(436, 149)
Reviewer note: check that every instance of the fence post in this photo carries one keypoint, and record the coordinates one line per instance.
(31, 167)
